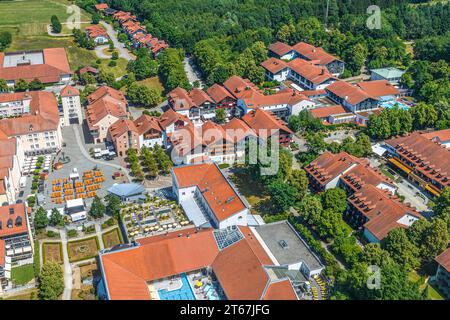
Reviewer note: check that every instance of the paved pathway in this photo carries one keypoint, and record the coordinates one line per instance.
(192, 74)
(98, 231)
(68, 280)
(100, 53)
(123, 52)
(85, 153)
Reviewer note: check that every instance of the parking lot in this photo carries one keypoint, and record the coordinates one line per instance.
(72, 157)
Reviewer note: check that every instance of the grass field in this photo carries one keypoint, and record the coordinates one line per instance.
(433, 294)
(83, 249)
(52, 252)
(23, 274)
(112, 238)
(26, 18)
(119, 70)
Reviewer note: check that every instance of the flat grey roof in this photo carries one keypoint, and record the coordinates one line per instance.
(296, 250)
(30, 57)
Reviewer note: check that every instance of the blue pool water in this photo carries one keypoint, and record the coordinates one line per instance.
(391, 104)
(184, 293)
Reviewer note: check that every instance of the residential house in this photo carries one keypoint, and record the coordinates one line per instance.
(309, 75)
(50, 66)
(38, 127)
(320, 57)
(196, 104)
(149, 131)
(16, 240)
(124, 135)
(106, 106)
(421, 160)
(208, 196)
(333, 114)
(222, 98)
(378, 212)
(101, 7)
(353, 98)
(97, 33)
(380, 89)
(265, 124)
(170, 121)
(282, 51)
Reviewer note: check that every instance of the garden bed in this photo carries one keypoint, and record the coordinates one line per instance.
(52, 252)
(83, 249)
(112, 238)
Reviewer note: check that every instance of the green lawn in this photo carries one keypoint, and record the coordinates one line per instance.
(23, 274)
(433, 294)
(119, 70)
(30, 17)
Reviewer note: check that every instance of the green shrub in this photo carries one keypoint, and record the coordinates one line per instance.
(71, 233)
(52, 234)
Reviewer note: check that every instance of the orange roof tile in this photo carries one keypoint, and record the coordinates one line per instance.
(145, 123)
(281, 290)
(217, 190)
(325, 112)
(274, 65)
(18, 211)
(378, 88)
(280, 48)
(259, 120)
(444, 259)
(352, 94)
(310, 71)
(439, 136)
(218, 93)
(69, 91)
(314, 53)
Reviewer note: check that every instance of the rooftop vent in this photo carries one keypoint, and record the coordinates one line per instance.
(283, 244)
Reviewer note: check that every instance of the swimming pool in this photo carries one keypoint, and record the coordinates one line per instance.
(391, 104)
(183, 293)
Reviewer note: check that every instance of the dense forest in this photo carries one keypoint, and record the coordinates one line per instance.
(229, 36)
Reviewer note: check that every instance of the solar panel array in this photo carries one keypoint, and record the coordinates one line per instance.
(228, 236)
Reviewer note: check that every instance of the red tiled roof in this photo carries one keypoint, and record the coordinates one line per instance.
(120, 127)
(87, 69)
(274, 65)
(239, 87)
(105, 101)
(217, 191)
(106, 91)
(378, 88)
(95, 31)
(69, 91)
(199, 96)
(382, 209)
(311, 72)
(325, 112)
(280, 48)
(238, 130)
(101, 6)
(145, 123)
(180, 99)
(328, 166)
(439, 136)
(428, 157)
(55, 65)
(444, 259)
(314, 53)
(281, 290)
(218, 93)
(169, 117)
(260, 119)
(239, 268)
(348, 92)
(43, 116)
(5, 215)
(14, 96)
(363, 174)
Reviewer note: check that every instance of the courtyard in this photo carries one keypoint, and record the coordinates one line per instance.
(112, 238)
(154, 216)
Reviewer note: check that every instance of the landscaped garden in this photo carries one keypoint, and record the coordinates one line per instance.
(112, 238)
(154, 216)
(52, 252)
(23, 274)
(83, 249)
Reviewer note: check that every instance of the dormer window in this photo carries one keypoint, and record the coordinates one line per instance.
(9, 224)
(18, 221)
